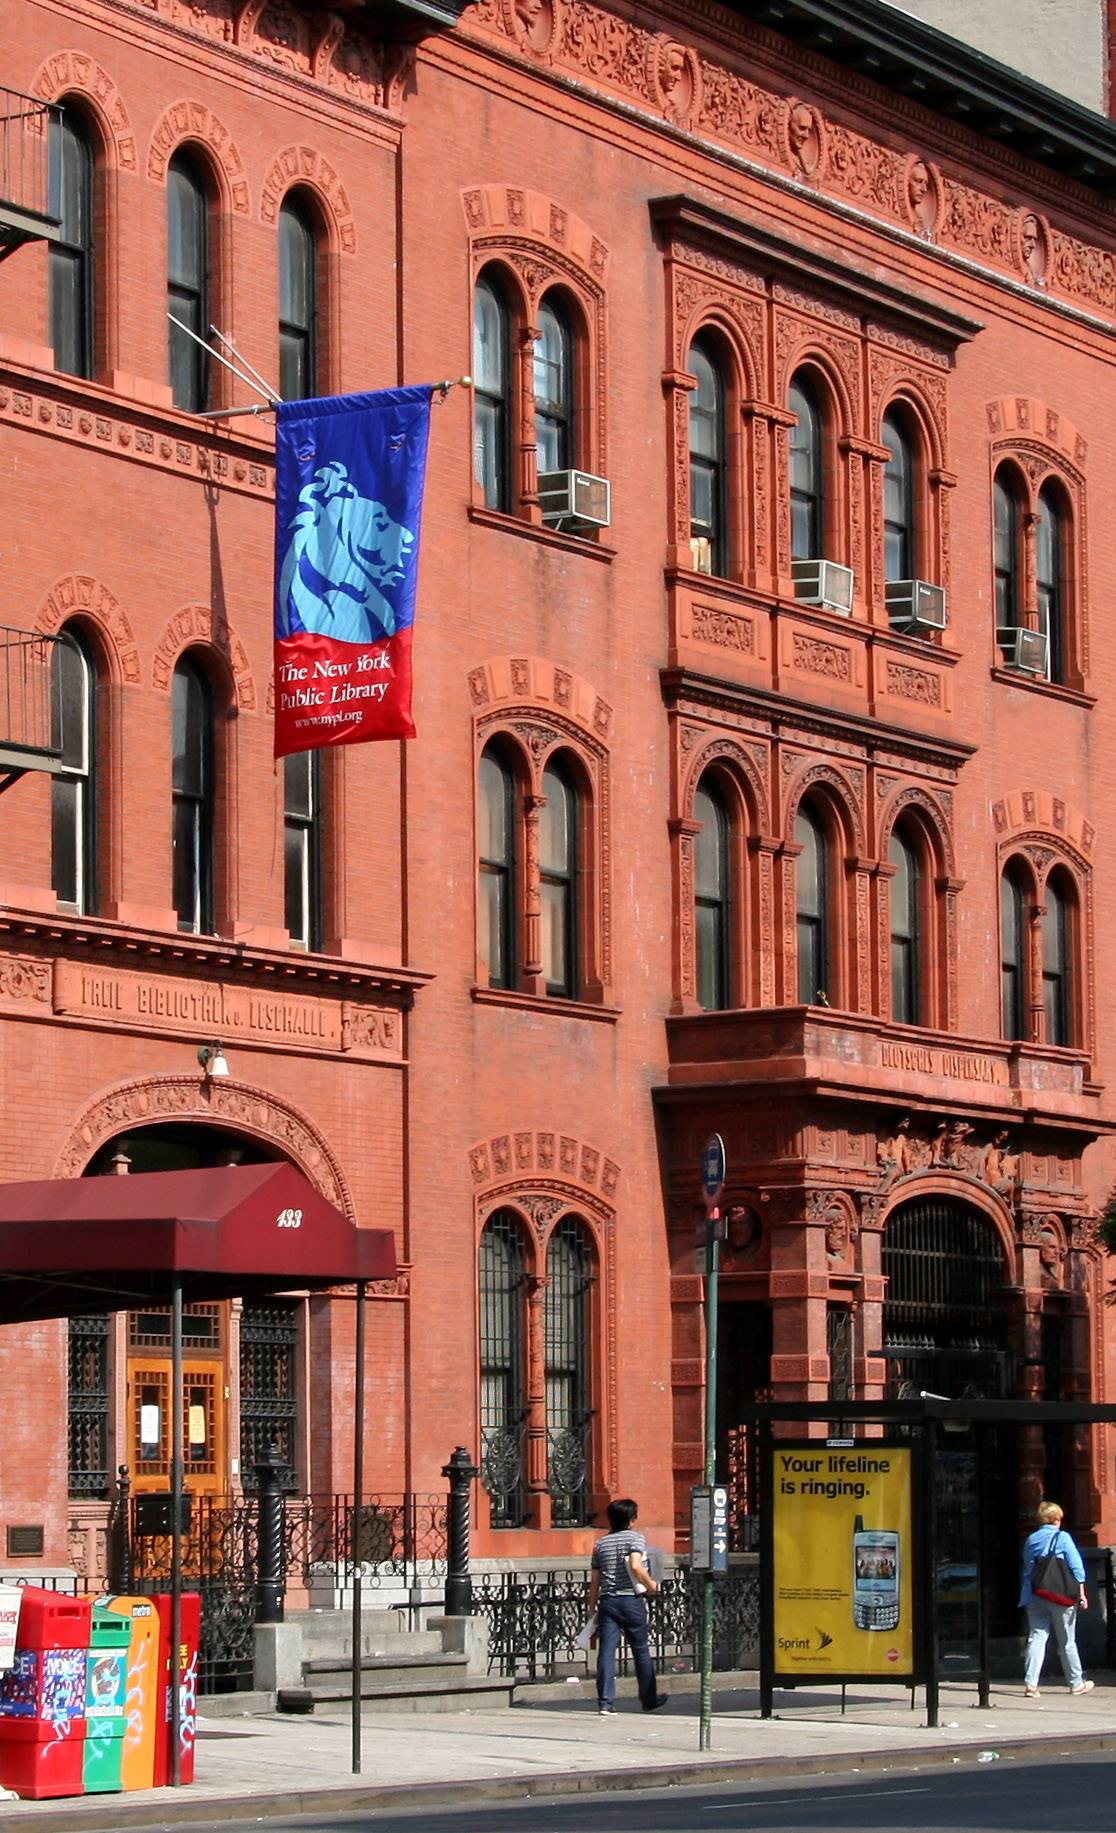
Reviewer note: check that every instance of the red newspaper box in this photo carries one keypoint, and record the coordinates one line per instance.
(42, 1697)
(187, 1674)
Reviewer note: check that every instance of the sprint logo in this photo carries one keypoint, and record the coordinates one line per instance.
(805, 1645)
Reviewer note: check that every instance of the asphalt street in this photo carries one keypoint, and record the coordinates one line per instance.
(1073, 1795)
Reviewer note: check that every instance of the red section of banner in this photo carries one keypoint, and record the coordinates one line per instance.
(330, 693)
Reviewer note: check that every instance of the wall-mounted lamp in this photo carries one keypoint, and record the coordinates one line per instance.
(213, 1060)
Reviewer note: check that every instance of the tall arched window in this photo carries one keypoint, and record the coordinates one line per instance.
(72, 255)
(192, 788)
(302, 847)
(491, 396)
(1013, 952)
(555, 393)
(298, 302)
(707, 464)
(906, 966)
(497, 866)
(188, 282)
(1008, 544)
(900, 556)
(73, 815)
(812, 868)
(503, 1390)
(712, 897)
(807, 473)
(1050, 546)
(558, 873)
(1056, 985)
(569, 1413)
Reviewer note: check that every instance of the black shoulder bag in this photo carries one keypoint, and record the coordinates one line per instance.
(1051, 1578)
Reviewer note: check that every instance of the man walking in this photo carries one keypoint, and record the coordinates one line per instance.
(619, 1565)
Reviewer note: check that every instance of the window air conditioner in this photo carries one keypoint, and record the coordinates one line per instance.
(701, 553)
(1024, 650)
(914, 606)
(824, 583)
(574, 496)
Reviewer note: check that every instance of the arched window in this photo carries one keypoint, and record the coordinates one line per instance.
(1056, 963)
(708, 544)
(1050, 546)
(491, 396)
(555, 394)
(712, 897)
(1013, 953)
(72, 255)
(503, 1391)
(807, 473)
(302, 847)
(1008, 544)
(192, 788)
(813, 908)
(558, 873)
(947, 1326)
(900, 555)
(498, 877)
(187, 282)
(298, 302)
(906, 966)
(569, 1414)
(73, 814)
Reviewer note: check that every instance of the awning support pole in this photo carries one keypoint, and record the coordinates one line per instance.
(357, 1536)
(176, 1532)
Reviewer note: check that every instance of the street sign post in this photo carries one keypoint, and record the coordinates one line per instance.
(713, 1167)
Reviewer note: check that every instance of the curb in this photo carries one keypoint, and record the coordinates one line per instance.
(171, 1810)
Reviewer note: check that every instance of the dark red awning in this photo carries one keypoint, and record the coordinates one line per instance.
(72, 1245)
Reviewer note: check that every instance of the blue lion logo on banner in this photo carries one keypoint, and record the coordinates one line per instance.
(345, 553)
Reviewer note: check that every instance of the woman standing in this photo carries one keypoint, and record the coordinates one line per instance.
(1042, 1616)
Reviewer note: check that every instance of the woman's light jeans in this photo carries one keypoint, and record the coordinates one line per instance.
(1042, 1619)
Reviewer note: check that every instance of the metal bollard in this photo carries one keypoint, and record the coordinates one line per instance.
(271, 1578)
(462, 1473)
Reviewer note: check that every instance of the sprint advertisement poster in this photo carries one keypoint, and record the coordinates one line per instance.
(843, 1578)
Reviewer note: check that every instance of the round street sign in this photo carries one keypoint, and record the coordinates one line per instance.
(713, 1170)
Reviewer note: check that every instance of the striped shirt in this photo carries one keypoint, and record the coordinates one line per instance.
(610, 1559)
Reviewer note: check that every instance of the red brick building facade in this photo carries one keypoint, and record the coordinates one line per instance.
(771, 797)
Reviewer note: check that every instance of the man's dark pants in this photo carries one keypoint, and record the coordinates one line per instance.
(623, 1615)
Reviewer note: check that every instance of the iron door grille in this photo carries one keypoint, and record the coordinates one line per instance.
(945, 1323)
(503, 1288)
(89, 1405)
(268, 1387)
(569, 1287)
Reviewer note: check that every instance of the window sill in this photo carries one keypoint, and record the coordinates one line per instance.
(546, 537)
(1053, 690)
(534, 1002)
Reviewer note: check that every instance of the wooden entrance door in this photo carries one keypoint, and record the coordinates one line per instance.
(203, 1400)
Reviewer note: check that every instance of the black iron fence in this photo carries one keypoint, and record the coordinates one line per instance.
(534, 1619)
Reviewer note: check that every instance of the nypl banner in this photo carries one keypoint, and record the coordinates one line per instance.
(843, 1577)
(349, 479)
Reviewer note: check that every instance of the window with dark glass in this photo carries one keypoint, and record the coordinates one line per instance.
(806, 474)
(1049, 580)
(813, 909)
(73, 825)
(1013, 954)
(491, 397)
(554, 390)
(302, 847)
(1056, 963)
(192, 789)
(707, 464)
(503, 1394)
(1007, 541)
(187, 283)
(298, 303)
(558, 860)
(498, 887)
(906, 989)
(900, 560)
(569, 1285)
(711, 894)
(72, 298)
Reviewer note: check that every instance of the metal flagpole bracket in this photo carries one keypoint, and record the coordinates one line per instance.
(441, 389)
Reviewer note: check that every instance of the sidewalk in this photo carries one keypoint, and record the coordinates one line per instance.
(249, 1767)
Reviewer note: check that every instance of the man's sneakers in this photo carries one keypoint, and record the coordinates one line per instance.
(605, 1711)
(659, 1700)
(1085, 1687)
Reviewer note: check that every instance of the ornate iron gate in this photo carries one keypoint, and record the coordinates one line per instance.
(945, 1321)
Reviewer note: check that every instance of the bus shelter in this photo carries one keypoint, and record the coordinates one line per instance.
(882, 1550)
(70, 1246)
